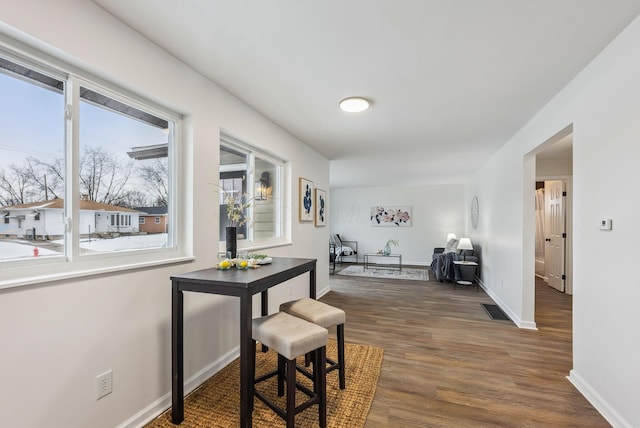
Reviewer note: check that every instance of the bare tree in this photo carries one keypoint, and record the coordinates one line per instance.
(156, 175)
(16, 186)
(48, 176)
(135, 199)
(103, 177)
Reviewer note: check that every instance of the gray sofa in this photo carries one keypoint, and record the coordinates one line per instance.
(444, 269)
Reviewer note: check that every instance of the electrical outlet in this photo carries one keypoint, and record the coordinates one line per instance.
(104, 384)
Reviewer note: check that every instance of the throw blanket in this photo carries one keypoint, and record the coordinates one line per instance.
(444, 268)
(343, 251)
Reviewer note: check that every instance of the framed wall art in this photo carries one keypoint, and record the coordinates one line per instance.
(321, 207)
(305, 199)
(397, 216)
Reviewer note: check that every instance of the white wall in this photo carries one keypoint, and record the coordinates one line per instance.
(603, 104)
(437, 211)
(556, 166)
(57, 337)
(561, 166)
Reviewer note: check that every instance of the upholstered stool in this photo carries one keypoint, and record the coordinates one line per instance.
(291, 337)
(325, 316)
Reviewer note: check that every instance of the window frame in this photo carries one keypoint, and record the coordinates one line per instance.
(253, 152)
(70, 263)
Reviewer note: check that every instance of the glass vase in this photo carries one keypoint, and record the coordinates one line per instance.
(387, 249)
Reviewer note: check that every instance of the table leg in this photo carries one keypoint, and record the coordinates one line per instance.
(177, 355)
(312, 283)
(246, 365)
(264, 297)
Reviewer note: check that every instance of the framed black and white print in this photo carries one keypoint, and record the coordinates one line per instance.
(306, 200)
(321, 207)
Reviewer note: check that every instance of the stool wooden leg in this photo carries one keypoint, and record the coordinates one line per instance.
(291, 393)
(341, 369)
(282, 362)
(320, 371)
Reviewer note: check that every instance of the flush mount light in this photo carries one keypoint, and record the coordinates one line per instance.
(354, 104)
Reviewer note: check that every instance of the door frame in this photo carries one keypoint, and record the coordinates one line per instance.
(529, 227)
(568, 212)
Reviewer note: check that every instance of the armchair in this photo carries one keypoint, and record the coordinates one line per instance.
(341, 248)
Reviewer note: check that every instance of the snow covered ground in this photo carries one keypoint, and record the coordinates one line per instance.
(133, 242)
(20, 249)
(17, 249)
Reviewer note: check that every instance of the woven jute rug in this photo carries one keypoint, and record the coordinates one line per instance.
(216, 403)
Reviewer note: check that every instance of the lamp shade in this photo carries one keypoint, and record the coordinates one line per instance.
(451, 236)
(465, 244)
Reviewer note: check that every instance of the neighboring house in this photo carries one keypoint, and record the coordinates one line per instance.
(153, 219)
(45, 220)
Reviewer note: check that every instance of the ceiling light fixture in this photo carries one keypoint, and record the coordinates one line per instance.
(354, 104)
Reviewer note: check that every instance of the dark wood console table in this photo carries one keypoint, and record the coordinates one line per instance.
(240, 283)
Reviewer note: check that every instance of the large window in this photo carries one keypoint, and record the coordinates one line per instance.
(252, 176)
(79, 165)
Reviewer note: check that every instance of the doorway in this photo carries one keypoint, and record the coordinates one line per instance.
(554, 251)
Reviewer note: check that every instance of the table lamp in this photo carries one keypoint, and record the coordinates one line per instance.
(465, 244)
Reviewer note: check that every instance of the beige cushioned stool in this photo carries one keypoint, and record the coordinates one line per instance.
(325, 316)
(291, 337)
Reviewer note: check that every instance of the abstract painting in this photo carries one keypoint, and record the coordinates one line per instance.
(306, 200)
(399, 216)
(321, 207)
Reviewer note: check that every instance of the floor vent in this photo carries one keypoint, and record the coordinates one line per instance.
(495, 313)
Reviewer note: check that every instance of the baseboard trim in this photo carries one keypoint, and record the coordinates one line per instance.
(156, 408)
(528, 325)
(596, 400)
(322, 292)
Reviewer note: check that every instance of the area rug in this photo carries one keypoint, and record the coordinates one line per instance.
(216, 403)
(406, 273)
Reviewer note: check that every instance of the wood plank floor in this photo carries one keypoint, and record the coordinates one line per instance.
(447, 364)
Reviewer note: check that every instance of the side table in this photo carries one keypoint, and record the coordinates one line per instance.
(460, 264)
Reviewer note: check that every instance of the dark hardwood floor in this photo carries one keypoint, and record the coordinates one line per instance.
(447, 364)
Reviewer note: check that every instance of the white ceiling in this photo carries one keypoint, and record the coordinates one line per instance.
(450, 80)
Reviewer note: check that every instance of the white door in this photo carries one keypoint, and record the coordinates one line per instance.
(555, 231)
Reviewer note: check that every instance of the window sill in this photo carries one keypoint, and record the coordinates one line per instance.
(40, 279)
